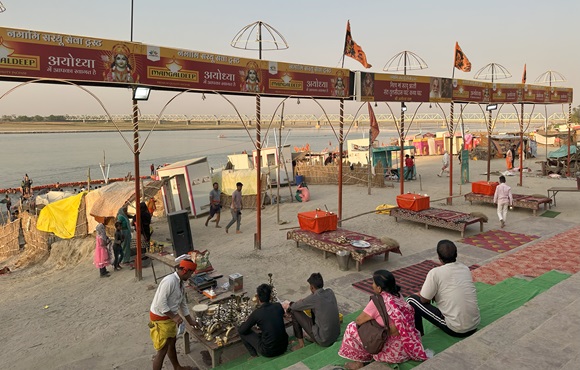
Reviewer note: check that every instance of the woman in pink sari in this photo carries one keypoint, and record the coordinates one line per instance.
(102, 259)
(404, 341)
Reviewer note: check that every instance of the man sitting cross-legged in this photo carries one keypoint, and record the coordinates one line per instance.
(451, 286)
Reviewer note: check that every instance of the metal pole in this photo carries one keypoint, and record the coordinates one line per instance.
(132, 20)
(489, 130)
(370, 160)
(258, 235)
(138, 272)
(569, 138)
(340, 148)
(451, 138)
(402, 159)
(522, 151)
(279, 163)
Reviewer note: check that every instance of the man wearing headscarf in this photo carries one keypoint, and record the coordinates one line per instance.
(164, 315)
(123, 218)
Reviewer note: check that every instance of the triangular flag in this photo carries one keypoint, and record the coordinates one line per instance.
(351, 48)
(461, 62)
(525, 75)
(374, 124)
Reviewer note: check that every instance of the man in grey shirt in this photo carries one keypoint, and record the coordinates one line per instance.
(214, 205)
(323, 326)
(236, 208)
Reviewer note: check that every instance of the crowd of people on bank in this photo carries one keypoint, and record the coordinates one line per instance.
(316, 316)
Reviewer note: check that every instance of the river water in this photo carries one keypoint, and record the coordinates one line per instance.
(65, 157)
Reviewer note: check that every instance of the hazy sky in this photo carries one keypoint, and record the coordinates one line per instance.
(543, 34)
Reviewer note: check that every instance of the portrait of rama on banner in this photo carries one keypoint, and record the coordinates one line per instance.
(353, 50)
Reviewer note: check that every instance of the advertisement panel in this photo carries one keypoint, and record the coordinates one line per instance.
(403, 88)
(506, 93)
(471, 91)
(28, 55)
(536, 94)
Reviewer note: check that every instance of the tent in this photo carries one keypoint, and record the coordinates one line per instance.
(62, 217)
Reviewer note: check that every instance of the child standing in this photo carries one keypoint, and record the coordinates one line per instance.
(118, 246)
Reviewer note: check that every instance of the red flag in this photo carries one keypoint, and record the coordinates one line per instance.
(374, 124)
(461, 62)
(525, 75)
(351, 48)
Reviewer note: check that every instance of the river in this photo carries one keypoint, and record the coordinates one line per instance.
(65, 157)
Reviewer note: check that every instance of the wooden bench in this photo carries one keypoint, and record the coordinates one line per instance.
(520, 201)
(444, 218)
(328, 242)
(215, 351)
(556, 190)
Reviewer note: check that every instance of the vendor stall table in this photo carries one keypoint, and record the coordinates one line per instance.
(214, 349)
(414, 202)
(317, 221)
(330, 241)
(556, 190)
(520, 201)
(166, 259)
(439, 217)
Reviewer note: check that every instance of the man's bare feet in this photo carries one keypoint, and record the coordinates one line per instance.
(297, 347)
(218, 226)
(238, 232)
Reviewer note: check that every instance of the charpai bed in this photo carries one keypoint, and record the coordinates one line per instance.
(334, 241)
(444, 218)
(520, 201)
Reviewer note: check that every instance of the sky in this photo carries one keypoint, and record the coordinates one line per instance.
(541, 34)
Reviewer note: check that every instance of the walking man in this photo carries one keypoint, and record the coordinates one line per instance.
(164, 315)
(445, 163)
(504, 199)
(214, 205)
(236, 208)
(451, 286)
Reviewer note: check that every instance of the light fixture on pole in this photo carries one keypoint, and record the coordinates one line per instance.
(2, 8)
(491, 107)
(141, 93)
(273, 40)
(403, 107)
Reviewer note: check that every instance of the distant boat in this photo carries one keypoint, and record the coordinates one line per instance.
(221, 136)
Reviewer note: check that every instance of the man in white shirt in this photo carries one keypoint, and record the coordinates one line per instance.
(503, 198)
(451, 286)
(444, 163)
(164, 314)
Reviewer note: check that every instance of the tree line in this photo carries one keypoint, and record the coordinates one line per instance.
(37, 118)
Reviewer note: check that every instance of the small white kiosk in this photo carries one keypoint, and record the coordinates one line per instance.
(189, 186)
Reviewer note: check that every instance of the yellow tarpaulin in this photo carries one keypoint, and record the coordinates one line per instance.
(60, 218)
(229, 178)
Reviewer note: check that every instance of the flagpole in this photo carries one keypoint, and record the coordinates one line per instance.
(370, 160)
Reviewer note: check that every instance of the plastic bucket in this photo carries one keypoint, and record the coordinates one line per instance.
(299, 179)
(343, 256)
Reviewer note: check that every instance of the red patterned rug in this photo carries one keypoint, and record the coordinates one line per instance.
(409, 278)
(498, 240)
(560, 252)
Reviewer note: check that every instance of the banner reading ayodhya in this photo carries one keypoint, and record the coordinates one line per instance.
(26, 55)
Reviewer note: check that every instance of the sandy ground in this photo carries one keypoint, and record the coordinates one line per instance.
(61, 315)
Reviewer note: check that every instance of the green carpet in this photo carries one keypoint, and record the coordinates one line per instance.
(495, 301)
(550, 214)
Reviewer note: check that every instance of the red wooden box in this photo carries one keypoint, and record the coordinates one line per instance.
(317, 221)
(414, 202)
(484, 187)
